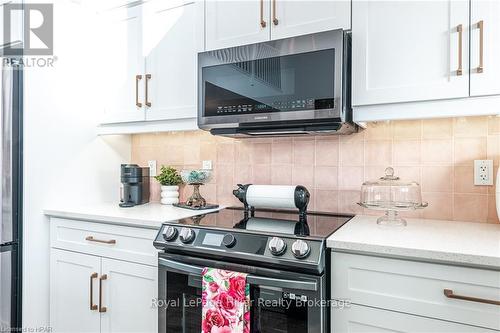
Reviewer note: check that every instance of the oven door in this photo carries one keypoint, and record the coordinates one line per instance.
(280, 301)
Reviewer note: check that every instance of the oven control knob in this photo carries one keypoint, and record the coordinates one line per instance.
(186, 235)
(169, 233)
(300, 249)
(277, 246)
(228, 240)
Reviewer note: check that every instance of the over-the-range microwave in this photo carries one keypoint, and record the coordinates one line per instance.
(292, 86)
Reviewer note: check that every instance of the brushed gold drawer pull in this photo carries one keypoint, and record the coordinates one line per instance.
(275, 19)
(137, 103)
(460, 30)
(480, 25)
(92, 305)
(92, 239)
(102, 308)
(148, 103)
(449, 293)
(262, 22)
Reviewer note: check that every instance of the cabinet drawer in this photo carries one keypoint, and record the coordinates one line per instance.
(417, 288)
(125, 243)
(362, 319)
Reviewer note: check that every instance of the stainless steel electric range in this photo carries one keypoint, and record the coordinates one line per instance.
(283, 251)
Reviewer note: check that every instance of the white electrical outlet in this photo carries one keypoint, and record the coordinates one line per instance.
(207, 165)
(152, 168)
(483, 172)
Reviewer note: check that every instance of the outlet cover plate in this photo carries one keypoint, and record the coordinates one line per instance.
(206, 165)
(483, 172)
(152, 168)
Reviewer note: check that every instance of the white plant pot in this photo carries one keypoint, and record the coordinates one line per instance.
(169, 195)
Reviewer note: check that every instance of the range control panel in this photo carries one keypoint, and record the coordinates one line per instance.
(234, 243)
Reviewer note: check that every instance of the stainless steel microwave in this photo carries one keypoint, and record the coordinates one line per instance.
(293, 86)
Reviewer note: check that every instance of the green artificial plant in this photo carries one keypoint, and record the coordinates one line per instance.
(168, 176)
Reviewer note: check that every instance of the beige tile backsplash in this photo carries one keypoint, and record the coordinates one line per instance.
(437, 153)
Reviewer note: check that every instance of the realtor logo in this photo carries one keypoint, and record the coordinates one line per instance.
(38, 34)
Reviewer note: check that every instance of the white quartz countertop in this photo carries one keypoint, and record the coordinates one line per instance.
(150, 215)
(463, 243)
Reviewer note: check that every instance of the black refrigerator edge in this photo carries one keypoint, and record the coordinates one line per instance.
(11, 143)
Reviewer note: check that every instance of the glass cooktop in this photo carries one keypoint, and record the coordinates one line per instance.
(317, 224)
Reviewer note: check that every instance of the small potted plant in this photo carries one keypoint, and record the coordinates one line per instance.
(169, 180)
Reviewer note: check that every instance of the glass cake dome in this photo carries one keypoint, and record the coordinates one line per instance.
(391, 195)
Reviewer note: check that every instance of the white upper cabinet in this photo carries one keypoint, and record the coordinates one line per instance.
(172, 38)
(233, 23)
(485, 47)
(406, 51)
(294, 18)
(124, 76)
(151, 49)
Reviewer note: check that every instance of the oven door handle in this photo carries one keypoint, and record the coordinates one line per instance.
(282, 283)
(180, 267)
(251, 279)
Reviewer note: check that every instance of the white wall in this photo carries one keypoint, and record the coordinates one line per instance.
(64, 161)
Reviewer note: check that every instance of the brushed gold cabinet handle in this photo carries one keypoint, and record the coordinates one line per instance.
(460, 30)
(137, 78)
(262, 22)
(449, 293)
(275, 19)
(480, 25)
(148, 77)
(102, 278)
(92, 305)
(92, 239)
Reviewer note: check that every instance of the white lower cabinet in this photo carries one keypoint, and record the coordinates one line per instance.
(408, 296)
(94, 294)
(128, 294)
(94, 285)
(71, 277)
(363, 319)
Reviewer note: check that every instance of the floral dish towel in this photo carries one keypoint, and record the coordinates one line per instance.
(226, 302)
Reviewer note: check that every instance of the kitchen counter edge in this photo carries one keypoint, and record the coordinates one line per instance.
(447, 242)
(149, 216)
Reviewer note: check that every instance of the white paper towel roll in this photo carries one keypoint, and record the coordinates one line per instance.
(271, 196)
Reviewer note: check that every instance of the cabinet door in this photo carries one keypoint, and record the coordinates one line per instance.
(172, 38)
(233, 23)
(128, 294)
(294, 18)
(485, 47)
(72, 278)
(124, 92)
(406, 51)
(362, 319)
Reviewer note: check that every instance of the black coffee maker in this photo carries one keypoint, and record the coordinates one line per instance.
(135, 185)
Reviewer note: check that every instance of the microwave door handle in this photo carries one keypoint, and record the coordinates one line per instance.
(282, 283)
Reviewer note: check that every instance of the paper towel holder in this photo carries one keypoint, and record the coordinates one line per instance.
(301, 200)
